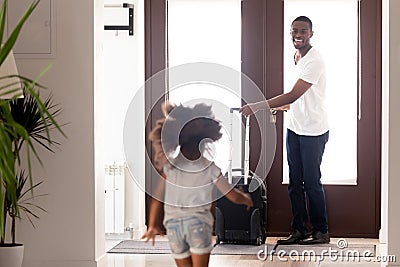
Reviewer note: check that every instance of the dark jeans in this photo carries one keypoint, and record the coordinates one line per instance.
(304, 154)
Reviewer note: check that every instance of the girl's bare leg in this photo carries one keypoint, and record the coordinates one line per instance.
(200, 260)
(186, 262)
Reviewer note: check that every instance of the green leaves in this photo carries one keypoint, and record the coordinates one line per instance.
(22, 121)
(25, 202)
(9, 44)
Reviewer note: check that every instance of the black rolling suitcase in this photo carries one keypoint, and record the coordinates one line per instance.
(233, 223)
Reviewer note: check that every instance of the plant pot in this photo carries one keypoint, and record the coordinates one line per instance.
(11, 255)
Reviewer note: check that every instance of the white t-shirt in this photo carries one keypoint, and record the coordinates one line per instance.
(308, 115)
(189, 188)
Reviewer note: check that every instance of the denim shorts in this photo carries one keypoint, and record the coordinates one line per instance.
(188, 235)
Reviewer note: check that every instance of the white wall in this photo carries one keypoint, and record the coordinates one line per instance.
(123, 77)
(134, 195)
(385, 121)
(98, 76)
(72, 233)
(393, 197)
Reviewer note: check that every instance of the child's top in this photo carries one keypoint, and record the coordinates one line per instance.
(189, 188)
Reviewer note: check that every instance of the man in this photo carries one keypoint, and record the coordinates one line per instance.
(307, 135)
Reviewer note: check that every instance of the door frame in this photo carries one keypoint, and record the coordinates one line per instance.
(155, 41)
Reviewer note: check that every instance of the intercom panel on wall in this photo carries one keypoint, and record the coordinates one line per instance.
(37, 38)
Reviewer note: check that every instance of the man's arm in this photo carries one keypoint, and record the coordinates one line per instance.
(297, 91)
(288, 98)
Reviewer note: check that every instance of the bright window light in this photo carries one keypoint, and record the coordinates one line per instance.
(335, 26)
(207, 31)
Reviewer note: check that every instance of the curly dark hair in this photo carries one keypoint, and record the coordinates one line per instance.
(187, 127)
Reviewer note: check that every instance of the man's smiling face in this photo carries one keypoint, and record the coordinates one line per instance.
(301, 34)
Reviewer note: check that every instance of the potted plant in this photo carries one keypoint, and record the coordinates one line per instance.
(23, 121)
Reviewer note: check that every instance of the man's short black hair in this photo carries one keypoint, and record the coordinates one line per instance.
(305, 19)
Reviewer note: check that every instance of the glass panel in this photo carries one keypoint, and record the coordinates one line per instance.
(335, 37)
(207, 31)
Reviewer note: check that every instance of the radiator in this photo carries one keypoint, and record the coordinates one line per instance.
(114, 198)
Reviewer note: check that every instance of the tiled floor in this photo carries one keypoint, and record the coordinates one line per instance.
(164, 260)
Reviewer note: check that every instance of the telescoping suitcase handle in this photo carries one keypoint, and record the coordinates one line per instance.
(255, 182)
(246, 148)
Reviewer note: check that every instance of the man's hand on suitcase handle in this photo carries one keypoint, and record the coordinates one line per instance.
(252, 108)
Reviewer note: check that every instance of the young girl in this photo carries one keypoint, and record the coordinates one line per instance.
(189, 182)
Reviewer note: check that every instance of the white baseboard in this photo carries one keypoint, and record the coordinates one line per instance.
(61, 263)
(382, 237)
(101, 262)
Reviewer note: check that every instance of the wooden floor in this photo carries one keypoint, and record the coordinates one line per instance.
(165, 260)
